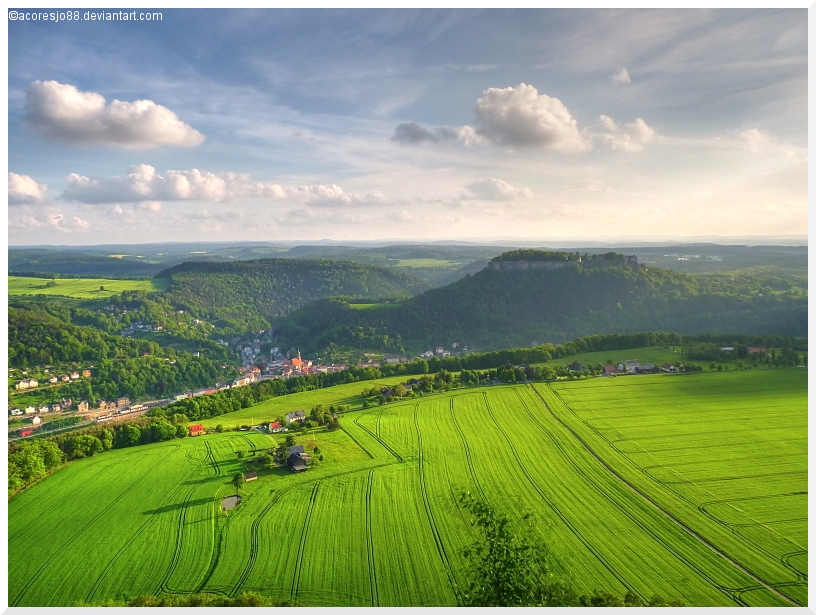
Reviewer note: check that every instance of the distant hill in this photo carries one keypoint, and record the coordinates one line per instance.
(253, 293)
(507, 304)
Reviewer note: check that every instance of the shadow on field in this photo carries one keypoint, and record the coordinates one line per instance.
(178, 506)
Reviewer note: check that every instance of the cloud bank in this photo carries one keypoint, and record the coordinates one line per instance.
(521, 117)
(144, 185)
(60, 112)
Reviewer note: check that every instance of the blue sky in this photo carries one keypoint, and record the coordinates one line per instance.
(296, 124)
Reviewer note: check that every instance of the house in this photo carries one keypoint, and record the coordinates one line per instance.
(56, 408)
(427, 354)
(65, 378)
(576, 367)
(122, 402)
(754, 349)
(386, 392)
(297, 461)
(83, 406)
(296, 449)
(53, 380)
(30, 410)
(440, 350)
(86, 373)
(196, 430)
(611, 370)
(277, 427)
(43, 409)
(629, 366)
(36, 420)
(26, 383)
(646, 368)
(297, 415)
(16, 412)
(75, 376)
(668, 367)
(250, 476)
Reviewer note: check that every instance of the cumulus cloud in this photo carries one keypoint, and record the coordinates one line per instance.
(61, 112)
(754, 141)
(23, 190)
(145, 186)
(520, 116)
(493, 189)
(621, 76)
(629, 138)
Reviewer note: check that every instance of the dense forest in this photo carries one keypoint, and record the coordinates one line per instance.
(251, 294)
(499, 308)
(122, 367)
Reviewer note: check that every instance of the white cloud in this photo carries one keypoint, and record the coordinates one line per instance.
(590, 185)
(148, 188)
(621, 76)
(23, 190)
(631, 138)
(521, 116)
(63, 113)
(24, 223)
(754, 141)
(412, 133)
(493, 189)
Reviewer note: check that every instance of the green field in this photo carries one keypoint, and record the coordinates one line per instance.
(80, 288)
(691, 486)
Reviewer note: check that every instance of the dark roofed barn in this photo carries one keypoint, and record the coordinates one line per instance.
(297, 461)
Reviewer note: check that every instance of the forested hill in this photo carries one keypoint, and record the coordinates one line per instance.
(250, 294)
(500, 308)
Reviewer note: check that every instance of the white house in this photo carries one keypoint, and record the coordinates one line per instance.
(36, 420)
(297, 415)
(30, 410)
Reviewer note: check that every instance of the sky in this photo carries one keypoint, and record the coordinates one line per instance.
(225, 125)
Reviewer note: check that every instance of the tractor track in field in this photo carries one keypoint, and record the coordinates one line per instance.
(162, 586)
(254, 542)
(211, 458)
(468, 456)
(372, 570)
(564, 519)
(714, 549)
(700, 507)
(376, 436)
(132, 539)
(440, 547)
(643, 527)
(76, 534)
(356, 441)
(302, 544)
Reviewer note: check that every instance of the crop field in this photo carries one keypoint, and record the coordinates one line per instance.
(690, 486)
(79, 288)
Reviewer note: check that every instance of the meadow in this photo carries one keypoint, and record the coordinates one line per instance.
(80, 288)
(691, 486)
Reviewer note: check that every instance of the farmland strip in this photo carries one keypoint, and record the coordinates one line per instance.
(36, 575)
(555, 508)
(668, 515)
(376, 436)
(729, 592)
(440, 547)
(467, 452)
(372, 570)
(302, 546)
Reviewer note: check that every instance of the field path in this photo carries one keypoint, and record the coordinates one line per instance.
(468, 455)
(665, 512)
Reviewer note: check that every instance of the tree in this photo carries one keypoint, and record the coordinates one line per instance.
(238, 481)
(219, 428)
(289, 440)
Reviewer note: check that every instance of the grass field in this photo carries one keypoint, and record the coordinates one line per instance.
(80, 288)
(691, 486)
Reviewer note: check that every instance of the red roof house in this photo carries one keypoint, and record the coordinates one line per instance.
(196, 430)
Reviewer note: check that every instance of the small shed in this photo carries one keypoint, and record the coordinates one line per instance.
(250, 476)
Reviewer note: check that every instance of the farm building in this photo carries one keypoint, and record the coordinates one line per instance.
(611, 370)
(277, 427)
(297, 415)
(297, 461)
(668, 367)
(196, 430)
(36, 420)
(297, 449)
(576, 367)
(250, 476)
